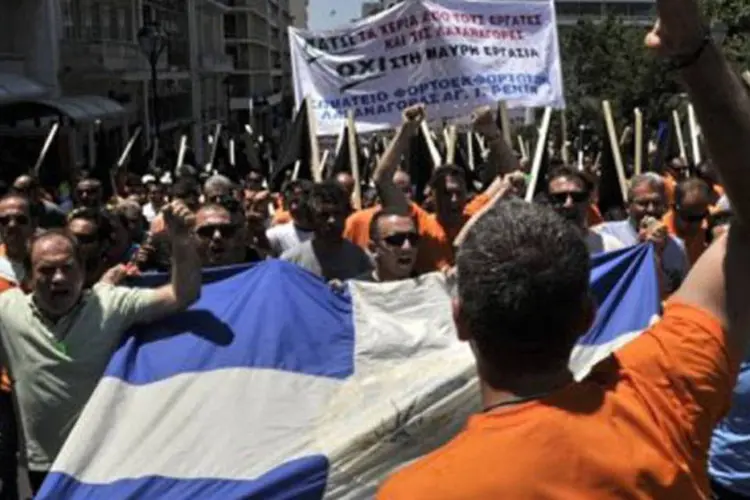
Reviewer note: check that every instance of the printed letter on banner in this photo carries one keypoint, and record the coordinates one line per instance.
(453, 55)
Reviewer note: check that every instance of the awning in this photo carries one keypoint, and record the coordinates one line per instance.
(15, 87)
(79, 109)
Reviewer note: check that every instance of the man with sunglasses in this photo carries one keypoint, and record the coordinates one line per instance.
(393, 246)
(89, 193)
(688, 217)
(220, 237)
(17, 227)
(569, 194)
(93, 231)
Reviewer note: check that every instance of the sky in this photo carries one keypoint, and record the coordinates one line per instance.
(326, 14)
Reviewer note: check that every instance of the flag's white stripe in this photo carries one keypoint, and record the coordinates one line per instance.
(229, 424)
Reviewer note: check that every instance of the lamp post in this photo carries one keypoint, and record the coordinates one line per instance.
(153, 40)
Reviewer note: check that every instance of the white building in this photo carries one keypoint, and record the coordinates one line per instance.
(637, 12)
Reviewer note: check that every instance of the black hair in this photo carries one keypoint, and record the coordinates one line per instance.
(328, 192)
(570, 173)
(523, 281)
(385, 212)
(99, 218)
(437, 181)
(35, 210)
(692, 184)
(298, 188)
(184, 187)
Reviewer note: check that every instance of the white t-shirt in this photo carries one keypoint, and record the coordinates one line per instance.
(602, 242)
(286, 236)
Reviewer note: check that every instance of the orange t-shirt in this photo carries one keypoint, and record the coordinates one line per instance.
(435, 249)
(695, 245)
(670, 183)
(281, 217)
(638, 427)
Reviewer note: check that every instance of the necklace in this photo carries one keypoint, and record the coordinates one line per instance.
(517, 400)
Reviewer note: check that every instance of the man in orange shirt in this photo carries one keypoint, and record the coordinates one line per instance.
(688, 217)
(640, 424)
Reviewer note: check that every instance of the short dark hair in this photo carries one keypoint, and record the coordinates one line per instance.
(692, 184)
(35, 211)
(185, 186)
(291, 188)
(523, 279)
(328, 192)
(437, 181)
(716, 220)
(569, 173)
(385, 212)
(97, 217)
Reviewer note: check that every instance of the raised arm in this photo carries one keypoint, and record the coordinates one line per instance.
(502, 160)
(720, 281)
(185, 284)
(390, 194)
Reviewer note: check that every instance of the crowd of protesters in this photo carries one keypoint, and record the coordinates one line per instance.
(639, 427)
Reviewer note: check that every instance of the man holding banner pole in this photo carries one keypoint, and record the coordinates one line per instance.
(639, 425)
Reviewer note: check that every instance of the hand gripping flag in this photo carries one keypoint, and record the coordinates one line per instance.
(275, 387)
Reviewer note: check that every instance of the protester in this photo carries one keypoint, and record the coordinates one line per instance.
(328, 254)
(569, 194)
(156, 198)
(50, 215)
(647, 204)
(218, 187)
(89, 193)
(393, 245)
(286, 236)
(58, 339)
(687, 219)
(94, 233)
(346, 181)
(221, 240)
(523, 300)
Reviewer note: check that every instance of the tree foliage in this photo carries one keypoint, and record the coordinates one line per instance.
(607, 60)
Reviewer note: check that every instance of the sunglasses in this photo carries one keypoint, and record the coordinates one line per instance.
(562, 198)
(398, 239)
(225, 230)
(87, 239)
(693, 218)
(20, 220)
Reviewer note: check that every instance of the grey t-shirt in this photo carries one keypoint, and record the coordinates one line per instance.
(55, 367)
(348, 262)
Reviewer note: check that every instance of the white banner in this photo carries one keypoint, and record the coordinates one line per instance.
(453, 55)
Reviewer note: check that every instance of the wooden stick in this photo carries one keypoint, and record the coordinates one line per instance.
(154, 152)
(615, 148)
(214, 145)
(128, 148)
(522, 148)
(436, 160)
(324, 159)
(354, 159)
(638, 153)
(502, 109)
(541, 144)
(678, 130)
(295, 172)
(45, 148)
(314, 151)
(451, 144)
(181, 151)
(694, 134)
(231, 152)
(564, 139)
(341, 138)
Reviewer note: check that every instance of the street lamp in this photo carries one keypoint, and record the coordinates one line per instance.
(153, 40)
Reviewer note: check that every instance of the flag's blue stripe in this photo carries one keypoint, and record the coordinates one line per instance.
(303, 479)
(274, 316)
(626, 289)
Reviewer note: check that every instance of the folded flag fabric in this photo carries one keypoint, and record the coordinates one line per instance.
(275, 387)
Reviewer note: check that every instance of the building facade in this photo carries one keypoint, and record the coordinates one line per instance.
(85, 56)
(298, 9)
(635, 12)
(258, 43)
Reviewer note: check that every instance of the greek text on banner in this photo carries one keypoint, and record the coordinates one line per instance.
(452, 55)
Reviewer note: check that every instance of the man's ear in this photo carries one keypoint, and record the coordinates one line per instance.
(461, 328)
